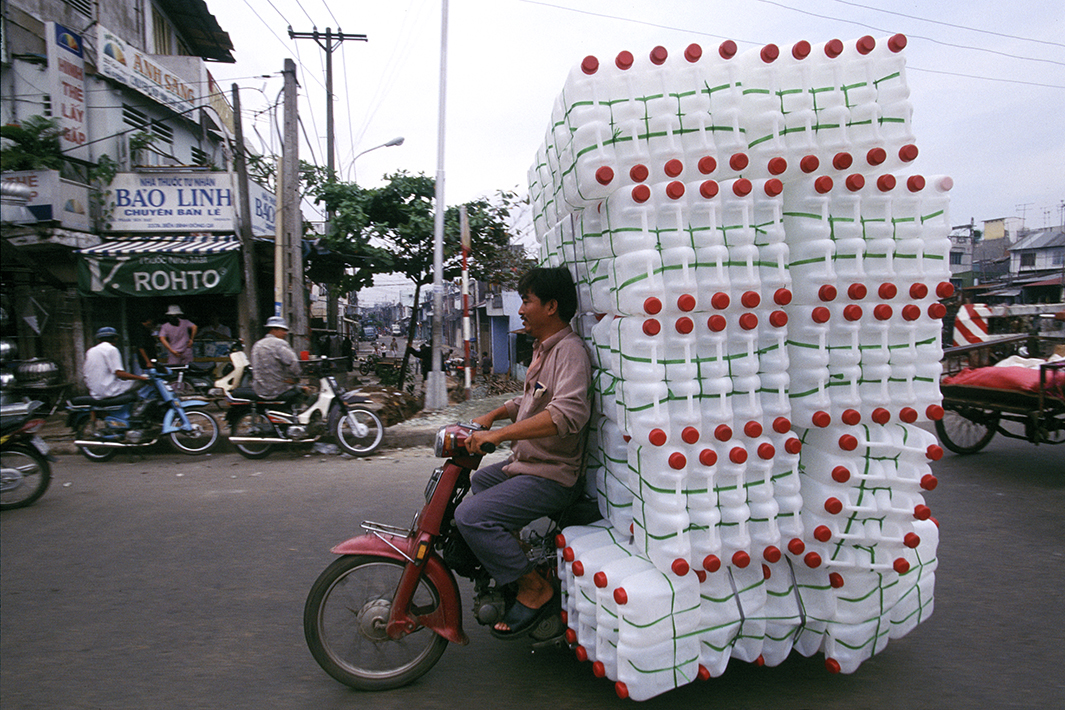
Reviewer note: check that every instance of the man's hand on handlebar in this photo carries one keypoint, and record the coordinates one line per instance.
(481, 441)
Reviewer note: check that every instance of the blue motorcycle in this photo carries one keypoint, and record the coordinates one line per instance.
(139, 418)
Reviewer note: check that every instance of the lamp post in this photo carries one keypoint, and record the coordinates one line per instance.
(395, 141)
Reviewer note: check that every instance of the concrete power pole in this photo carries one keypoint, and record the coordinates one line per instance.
(294, 293)
(328, 42)
(248, 301)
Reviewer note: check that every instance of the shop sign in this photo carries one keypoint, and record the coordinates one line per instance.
(53, 198)
(143, 72)
(172, 202)
(66, 72)
(263, 204)
(159, 274)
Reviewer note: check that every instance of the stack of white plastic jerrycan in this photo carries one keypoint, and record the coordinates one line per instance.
(759, 277)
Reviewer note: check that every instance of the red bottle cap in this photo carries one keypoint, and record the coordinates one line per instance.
(835, 579)
(897, 43)
(658, 55)
(568, 554)
(748, 321)
(796, 546)
(842, 161)
(703, 673)
(711, 563)
(752, 429)
(876, 156)
(769, 53)
(742, 187)
(723, 432)
(911, 540)
(848, 442)
(922, 512)
(886, 183)
(738, 161)
(782, 297)
(822, 533)
(578, 569)
(821, 419)
(908, 153)
(624, 60)
(700, 575)
(834, 506)
(657, 437)
(680, 567)
(812, 560)
(600, 579)
(908, 415)
(707, 165)
(851, 417)
(708, 457)
(766, 574)
(727, 50)
(689, 435)
(901, 566)
(793, 445)
(918, 291)
(750, 299)
(911, 312)
(821, 314)
(781, 425)
(621, 596)
(677, 461)
(693, 53)
(934, 412)
(685, 325)
(936, 311)
(590, 65)
(934, 452)
(652, 327)
(652, 307)
(827, 293)
(598, 669)
(866, 44)
(833, 48)
(639, 173)
(778, 319)
(944, 289)
(776, 166)
(771, 554)
(857, 292)
(809, 163)
(641, 194)
(675, 190)
(604, 175)
(708, 189)
(855, 182)
(882, 311)
(801, 50)
(673, 168)
(716, 323)
(823, 184)
(720, 300)
(929, 482)
(888, 291)
(832, 666)
(738, 455)
(741, 559)
(852, 312)
(841, 474)
(766, 451)
(560, 541)
(915, 183)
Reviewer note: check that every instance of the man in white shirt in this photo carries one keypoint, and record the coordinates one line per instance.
(104, 373)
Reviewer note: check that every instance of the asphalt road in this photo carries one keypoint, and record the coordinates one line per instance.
(177, 582)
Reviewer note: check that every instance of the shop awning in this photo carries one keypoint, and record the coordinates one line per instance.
(161, 266)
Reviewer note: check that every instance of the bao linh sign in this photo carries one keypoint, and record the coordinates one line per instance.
(172, 202)
(160, 268)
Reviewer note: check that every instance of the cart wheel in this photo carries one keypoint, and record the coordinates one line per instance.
(966, 431)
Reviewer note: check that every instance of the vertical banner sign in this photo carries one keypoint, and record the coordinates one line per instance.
(66, 69)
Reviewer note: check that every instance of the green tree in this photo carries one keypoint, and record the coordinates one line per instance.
(31, 145)
(399, 217)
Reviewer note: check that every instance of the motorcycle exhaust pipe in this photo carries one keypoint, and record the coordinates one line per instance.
(261, 440)
(112, 444)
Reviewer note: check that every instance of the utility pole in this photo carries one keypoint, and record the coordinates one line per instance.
(328, 42)
(436, 384)
(248, 301)
(293, 292)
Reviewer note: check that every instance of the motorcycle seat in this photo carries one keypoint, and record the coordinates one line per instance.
(249, 394)
(116, 401)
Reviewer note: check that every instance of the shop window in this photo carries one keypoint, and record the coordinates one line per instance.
(1028, 260)
(956, 258)
(161, 34)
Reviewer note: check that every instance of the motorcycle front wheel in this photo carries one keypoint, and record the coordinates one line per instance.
(201, 438)
(359, 432)
(86, 431)
(252, 424)
(345, 618)
(24, 477)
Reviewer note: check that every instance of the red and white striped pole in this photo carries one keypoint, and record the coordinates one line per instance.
(465, 223)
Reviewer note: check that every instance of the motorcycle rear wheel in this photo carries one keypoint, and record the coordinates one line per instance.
(253, 424)
(349, 439)
(24, 477)
(87, 430)
(344, 622)
(201, 439)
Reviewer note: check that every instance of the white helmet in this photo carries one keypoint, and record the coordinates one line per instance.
(276, 322)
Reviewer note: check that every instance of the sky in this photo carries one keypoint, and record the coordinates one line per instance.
(987, 82)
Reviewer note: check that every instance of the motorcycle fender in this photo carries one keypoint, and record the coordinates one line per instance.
(449, 624)
(172, 421)
(186, 403)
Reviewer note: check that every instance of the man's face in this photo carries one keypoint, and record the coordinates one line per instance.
(536, 315)
(279, 333)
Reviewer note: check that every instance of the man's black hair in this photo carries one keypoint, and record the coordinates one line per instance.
(551, 284)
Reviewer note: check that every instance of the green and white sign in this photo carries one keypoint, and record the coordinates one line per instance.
(159, 274)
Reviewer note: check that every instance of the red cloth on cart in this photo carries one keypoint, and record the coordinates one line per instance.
(1016, 379)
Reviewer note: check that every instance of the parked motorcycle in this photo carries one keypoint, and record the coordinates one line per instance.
(257, 425)
(102, 427)
(25, 468)
(381, 615)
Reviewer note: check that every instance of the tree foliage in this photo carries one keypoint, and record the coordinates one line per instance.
(32, 145)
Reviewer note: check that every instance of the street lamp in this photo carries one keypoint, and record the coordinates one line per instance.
(395, 141)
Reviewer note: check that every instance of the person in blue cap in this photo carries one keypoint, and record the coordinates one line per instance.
(105, 374)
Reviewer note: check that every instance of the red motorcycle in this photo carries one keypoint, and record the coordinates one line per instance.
(382, 614)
